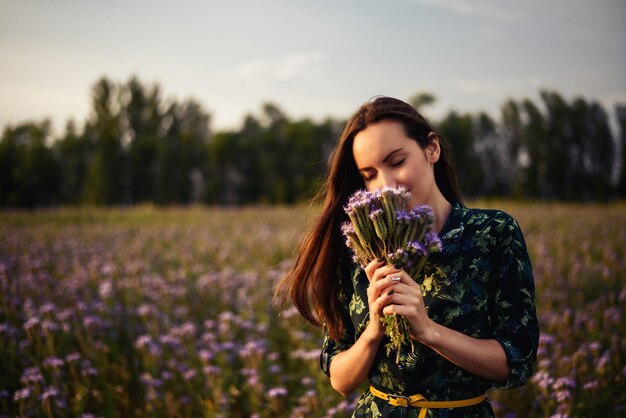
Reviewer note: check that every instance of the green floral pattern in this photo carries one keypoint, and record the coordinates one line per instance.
(482, 285)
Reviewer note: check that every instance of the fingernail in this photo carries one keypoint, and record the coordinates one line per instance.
(390, 292)
(396, 279)
(397, 266)
(381, 259)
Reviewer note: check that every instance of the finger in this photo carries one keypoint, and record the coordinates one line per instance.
(382, 286)
(385, 271)
(372, 266)
(383, 300)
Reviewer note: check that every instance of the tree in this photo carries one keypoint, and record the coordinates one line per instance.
(30, 174)
(458, 130)
(104, 184)
(180, 154)
(73, 151)
(493, 154)
(620, 112)
(142, 117)
(421, 100)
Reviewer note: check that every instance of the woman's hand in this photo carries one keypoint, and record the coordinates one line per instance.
(407, 300)
(383, 282)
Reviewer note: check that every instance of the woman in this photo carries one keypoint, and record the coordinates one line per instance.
(474, 317)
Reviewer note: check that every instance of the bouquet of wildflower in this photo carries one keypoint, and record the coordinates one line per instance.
(382, 225)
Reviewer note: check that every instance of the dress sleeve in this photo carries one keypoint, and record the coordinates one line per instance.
(513, 303)
(330, 347)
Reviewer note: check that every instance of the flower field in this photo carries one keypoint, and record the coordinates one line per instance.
(168, 313)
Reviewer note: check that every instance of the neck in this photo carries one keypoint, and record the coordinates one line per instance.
(441, 208)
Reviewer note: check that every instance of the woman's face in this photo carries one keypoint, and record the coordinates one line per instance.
(385, 156)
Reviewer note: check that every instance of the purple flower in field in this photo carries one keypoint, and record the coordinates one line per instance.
(275, 369)
(87, 369)
(277, 392)
(564, 382)
(563, 395)
(252, 378)
(306, 354)
(546, 339)
(613, 314)
(307, 381)
(186, 330)
(65, 314)
(208, 338)
(50, 392)
(148, 380)
(9, 330)
(21, 394)
(211, 370)
(189, 374)
(146, 310)
(170, 341)
(106, 269)
(31, 323)
(226, 346)
(31, 375)
(53, 362)
(49, 326)
(93, 322)
(72, 357)
(592, 384)
(47, 308)
(543, 379)
(105, 289)
(595, 346)
(253, 347)
(604, 360)
(205, 355)
(143, 341)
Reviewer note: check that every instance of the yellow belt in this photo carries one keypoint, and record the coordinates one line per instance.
(421, 402)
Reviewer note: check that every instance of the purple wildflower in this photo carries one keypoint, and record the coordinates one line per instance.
(31, 375)
(31, 323)
(53, 362)
(277, 392)
(72, 357)
(592, 384)
(50, 392)
(189, 374)
(21, 394)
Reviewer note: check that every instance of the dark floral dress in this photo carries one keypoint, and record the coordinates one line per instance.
(482, 285)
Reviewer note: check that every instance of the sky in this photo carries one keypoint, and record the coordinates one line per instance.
(312, 58)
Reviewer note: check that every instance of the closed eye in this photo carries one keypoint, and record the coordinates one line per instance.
(368, 177)
(398, 163)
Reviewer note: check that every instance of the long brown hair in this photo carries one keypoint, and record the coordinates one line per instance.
(312, 284)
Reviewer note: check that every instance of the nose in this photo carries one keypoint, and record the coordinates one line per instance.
(387, 179)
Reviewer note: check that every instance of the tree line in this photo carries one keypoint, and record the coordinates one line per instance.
(137, 147)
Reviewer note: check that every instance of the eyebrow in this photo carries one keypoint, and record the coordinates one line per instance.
(391, 154)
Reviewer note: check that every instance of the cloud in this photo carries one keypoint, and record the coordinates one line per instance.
(283, 70)
(482, 9)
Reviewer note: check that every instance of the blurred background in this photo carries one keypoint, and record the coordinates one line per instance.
(240, 102)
